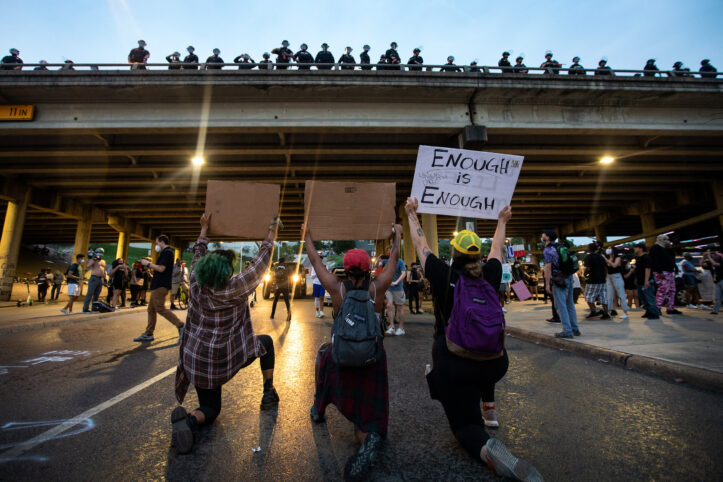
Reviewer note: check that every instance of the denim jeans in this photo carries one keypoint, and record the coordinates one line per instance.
(94, 286)
(718, 295)
(565, 306)
(616, 284)
(647, 298)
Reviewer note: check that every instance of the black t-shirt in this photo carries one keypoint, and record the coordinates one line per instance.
(138, 54)
(619, 269)
(442, 279)
(641, 263)
(75, 271)
(163, 279)
(597, 268)
(661, 260)
(717, 271)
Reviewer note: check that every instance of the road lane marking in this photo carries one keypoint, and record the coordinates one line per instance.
(70, 423)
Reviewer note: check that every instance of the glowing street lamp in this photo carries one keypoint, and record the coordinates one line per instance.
(455, 234)
(607, 160)
(198, 161)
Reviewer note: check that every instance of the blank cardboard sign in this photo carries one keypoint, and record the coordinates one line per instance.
(241, 210)
(347, 211)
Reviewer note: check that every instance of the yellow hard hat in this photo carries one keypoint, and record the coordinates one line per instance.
(467, 242)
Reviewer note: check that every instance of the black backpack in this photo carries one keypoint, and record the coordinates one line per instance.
(356, 337)
(568, 261)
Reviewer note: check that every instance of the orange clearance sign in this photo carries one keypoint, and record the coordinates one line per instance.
(17, 112)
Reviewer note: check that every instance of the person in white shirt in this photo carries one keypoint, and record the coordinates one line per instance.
(318, 293)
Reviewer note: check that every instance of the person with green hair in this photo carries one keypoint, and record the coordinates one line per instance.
(218, 339)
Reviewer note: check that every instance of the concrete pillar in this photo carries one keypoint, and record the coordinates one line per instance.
(600, 233)
(409, 255)
(122, 248)
(10, 244)
(429, 226)
(647, 221)
(178, 253)
(82, 243)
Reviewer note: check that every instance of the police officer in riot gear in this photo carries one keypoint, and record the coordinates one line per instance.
(505, 62)
(283, 55)
(650, 69)
(174, 61)
(519, 67)
(576, 68)
(473, 67)
(266, 64)
(679, 70)
(139, 56)
(324, 57)
(190, 62)
(415, 60)
(303, 56)
(12, 61)
(43, 65)
(551, 66)
(392, 55)
(347, 58)
(212, 63)
(603, 68)
(364, 58)
(382, 64)
(707, 71)
(245, 62)
(450, 66)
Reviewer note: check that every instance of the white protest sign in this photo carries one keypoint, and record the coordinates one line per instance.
(459, 182)
(506, 272)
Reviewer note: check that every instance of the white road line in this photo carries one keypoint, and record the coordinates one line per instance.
(70, 423)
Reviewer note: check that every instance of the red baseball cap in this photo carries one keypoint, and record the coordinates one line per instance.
(356, 258)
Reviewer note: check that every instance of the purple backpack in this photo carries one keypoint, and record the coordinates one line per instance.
(476, 326)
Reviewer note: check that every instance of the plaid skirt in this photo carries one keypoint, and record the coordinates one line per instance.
(360, 394)
(596, 291)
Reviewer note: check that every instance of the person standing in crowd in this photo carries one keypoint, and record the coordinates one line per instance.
(324, 57)
(136, 283)
(560, 286)
(74, 282)
(644, 282)
(392, 56)
(283, 55)
(220, 338)
(190, 61)
(473, 67)
(395, 300)
(139, 56)
(160, 285)
(551, 66)
(177, 281)
(118, 275)
(615, 283)
(662, 264)
(174, 61)
(716, 262)
(41, 280)
(631, 290)
(382, 64)
(245, 62)
(416, 60)
(450, 66)
(347, 58)
(504, 62)
(303, 57)
(267, 63)
(58, 279)
(364, 58)
(361, 394)
(650, 69)
(214, 62)
(707, 71)
(576, 287)
(43, 65)
(12, 61)
(679, 70)
(596, 286)
(519, 67)
(604, 69)
(281, 287)
(576, 68)
(96, 266)
(690, 281)
(317, 291)
(460, 382)
(415, 280)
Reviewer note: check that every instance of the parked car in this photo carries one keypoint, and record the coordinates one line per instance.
(298, 280)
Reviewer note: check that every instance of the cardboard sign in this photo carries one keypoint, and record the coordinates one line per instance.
(521, 291)
(349, 211)
(458, 182)
(241, 210)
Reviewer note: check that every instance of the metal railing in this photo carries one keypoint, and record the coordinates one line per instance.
(326, 67)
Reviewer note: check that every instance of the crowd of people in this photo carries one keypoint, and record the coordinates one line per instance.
(389, 60)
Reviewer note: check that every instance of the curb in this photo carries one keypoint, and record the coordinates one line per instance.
(678, 372)
(61, 321)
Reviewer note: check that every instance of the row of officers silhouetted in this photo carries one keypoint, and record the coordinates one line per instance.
(390, 60)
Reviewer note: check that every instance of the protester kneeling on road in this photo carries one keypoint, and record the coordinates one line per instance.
(358, 386)
(218, 339)
(468, 363)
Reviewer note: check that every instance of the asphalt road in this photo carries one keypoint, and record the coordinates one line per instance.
(573, 418)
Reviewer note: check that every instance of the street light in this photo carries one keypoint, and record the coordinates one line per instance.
(198, 161)
(607, 160)
(455, 234)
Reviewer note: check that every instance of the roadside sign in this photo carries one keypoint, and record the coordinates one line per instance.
(17, 112)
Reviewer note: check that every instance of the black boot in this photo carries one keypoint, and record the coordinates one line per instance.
(360, 464)
(270, 399)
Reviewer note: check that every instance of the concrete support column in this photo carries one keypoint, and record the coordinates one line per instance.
(82, 243)
(123, 243)
(647, 221)
(600, 233)
(409, 255)
(10, 244)
(429, 226)
(178, 253)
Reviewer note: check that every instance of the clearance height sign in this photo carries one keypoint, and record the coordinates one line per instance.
(459, 182)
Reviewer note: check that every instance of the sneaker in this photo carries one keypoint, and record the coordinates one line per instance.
(180, 332)
(692, 307)
(704, 307)
(613, 313)
(646, 315)
(315, 417)
(399, 332)
(562, 334)
(64, 311)
(674, 312)
(504, 464)
(594, 314)
(624, 316)
(270, 399)
(553, 320)
(576, 333)
(143, 337)
(419, 312)
(360, 464)
(182, 437)
(321, 314)
(490, 416)
(605, 317)
(504, 310)
(390, 331)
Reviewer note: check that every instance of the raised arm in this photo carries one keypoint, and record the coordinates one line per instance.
(498, 241)
(327, 279)
(247, 280)
(418, 239)
(386, 277)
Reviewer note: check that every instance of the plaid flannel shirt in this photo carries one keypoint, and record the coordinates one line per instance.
(218, 337)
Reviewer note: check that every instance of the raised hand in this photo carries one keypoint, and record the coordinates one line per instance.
(505, 214)
(411, 206)
(205, 220)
